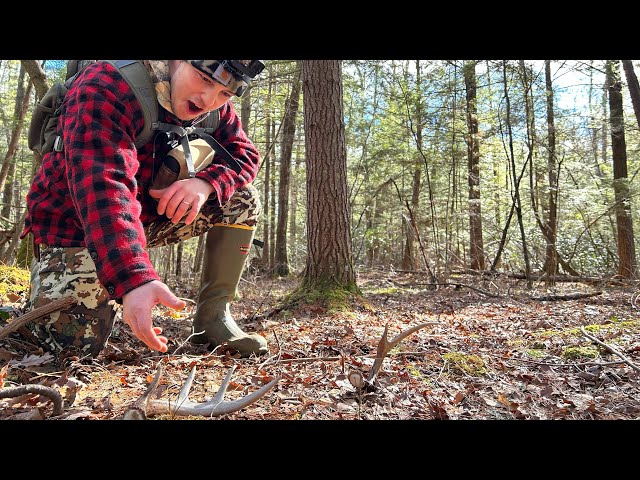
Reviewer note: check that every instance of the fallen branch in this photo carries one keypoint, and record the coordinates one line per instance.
(569, 296)
(39, 312)
(569, 278)
(49, 392)
(459, 285)
(610, 349)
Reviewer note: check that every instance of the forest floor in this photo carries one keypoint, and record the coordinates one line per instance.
(490, 349)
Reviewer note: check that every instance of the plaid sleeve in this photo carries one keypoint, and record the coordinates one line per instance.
(101, 120)
(226, 178)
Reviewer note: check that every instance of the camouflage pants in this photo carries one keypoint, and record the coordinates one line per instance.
(61, 272)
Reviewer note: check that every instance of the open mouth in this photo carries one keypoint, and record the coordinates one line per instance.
(193, 108)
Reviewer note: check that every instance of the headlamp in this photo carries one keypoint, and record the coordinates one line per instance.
(233, 74)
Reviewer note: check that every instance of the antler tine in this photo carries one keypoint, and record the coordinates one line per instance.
(385, 346)
(184, 391)
(219, 397)
(214, 407)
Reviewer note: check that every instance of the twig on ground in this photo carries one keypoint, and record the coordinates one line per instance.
(186, 341)
(569, 296)
(610, 349)
(448, 284)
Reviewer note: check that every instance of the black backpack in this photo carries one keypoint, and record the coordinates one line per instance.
(42, 136)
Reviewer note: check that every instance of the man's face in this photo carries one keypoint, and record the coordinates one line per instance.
(194, 93)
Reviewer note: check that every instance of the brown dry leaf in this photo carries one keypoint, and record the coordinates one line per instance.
(6, 354)
(234, 386)
(458, 398)
(33, 414)
(13, 297)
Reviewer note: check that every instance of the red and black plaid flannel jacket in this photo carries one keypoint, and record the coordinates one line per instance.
(93, 193)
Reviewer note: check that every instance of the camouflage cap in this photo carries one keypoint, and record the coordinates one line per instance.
(233, 74)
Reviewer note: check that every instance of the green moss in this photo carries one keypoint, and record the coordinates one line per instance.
(465, 364)
(384, 291)
(597, 328)
(13, 280)
(515, 342)
(575, 352)
(536, 353)
(413, 371)
(329, 295)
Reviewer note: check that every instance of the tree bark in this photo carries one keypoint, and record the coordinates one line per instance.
(633, 86)
(550, 228)
(9, 157)
(409, 260)
(476, 244)
(281, 261)
(329, 259)
(624, 224)
(10, 164)
(37, 76)
(267, 177)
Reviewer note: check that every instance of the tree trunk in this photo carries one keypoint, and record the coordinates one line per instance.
(476, 244)
(626, 248)
(9, 157)
(633, 86)
(293, 222)
(551, 227)
(281, 262)
(245, 109)
(409, 260)
(37, 76)
(267, 177)
(329, 259)
(515, 186)
(7, 198)
(179, 251)
(199, 256)
(272, 201)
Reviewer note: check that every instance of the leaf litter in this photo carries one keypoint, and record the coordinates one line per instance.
(485, 358)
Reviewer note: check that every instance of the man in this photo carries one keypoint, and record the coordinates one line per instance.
(93, 214)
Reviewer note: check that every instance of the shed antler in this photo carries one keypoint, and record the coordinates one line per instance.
(385, 346)
(183, 406)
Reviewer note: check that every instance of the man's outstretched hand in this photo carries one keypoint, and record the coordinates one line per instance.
(136, 312)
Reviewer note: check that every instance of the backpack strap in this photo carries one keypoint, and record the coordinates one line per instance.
(211, 121)
(136, 75)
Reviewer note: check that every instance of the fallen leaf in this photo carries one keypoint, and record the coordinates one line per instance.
(32, 360)
(13, 297)
(6, 354)
(33, 414)
(458, 398)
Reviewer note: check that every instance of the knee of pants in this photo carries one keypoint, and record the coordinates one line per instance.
(86, 325)
(244, 206)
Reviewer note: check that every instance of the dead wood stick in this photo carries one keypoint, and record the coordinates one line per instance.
(569, 296)
(54, 306)
(611, 349)
(49, 392)
(448, 284)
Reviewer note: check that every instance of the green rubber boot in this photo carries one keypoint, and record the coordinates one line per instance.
(226, 251)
